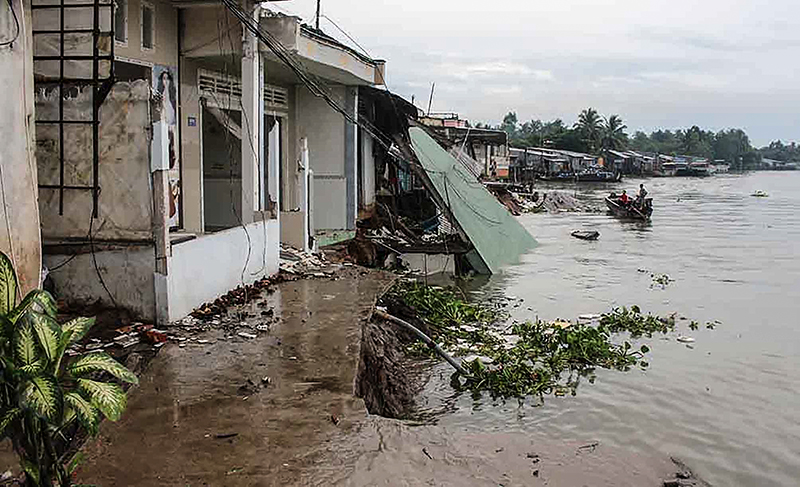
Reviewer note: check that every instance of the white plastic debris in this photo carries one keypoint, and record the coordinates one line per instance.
(244, 334)
(685, 339)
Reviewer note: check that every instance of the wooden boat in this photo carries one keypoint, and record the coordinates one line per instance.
(598, 177)
(586, 234)
(630, 211)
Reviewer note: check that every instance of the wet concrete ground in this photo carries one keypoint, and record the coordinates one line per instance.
(202, 416)
(180, 424)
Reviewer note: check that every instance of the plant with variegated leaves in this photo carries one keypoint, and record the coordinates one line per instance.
(44, 393)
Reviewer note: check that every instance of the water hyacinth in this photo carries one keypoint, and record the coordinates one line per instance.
(533, 358)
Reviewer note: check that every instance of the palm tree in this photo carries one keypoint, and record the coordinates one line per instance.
(589, 125)
(613, 134)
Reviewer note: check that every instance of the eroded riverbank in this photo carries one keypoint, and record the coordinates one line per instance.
(280, 409)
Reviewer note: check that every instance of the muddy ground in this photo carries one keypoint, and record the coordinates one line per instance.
(280, 410)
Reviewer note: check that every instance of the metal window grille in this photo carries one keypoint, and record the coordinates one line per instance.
(79, 12)
(227, 90)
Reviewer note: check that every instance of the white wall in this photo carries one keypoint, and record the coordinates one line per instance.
(19, 212)
(127, 272)
(325, 130)
(203, 269)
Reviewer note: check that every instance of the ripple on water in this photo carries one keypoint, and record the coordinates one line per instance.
(729, 406)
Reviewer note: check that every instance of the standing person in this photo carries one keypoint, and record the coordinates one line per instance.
(641, 196)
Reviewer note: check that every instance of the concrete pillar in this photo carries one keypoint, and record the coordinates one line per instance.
(20, 236)
(251, 123)
(191, 158)
(159, 167)
(351, 156)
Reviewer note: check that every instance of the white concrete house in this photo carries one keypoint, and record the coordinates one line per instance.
(202, 153)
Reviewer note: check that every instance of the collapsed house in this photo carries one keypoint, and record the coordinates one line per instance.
(172, 160)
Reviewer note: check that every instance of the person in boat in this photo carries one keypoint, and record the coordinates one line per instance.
(641, 196)
(624, 198)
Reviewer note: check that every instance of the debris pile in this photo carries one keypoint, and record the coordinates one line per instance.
(559, 202)
(298, 263)
(684, 477)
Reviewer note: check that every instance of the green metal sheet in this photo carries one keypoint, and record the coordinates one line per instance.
(499, 239)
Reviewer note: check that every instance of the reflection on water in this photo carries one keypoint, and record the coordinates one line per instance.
(728, 406)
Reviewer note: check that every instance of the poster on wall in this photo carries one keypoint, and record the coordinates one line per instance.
(165, 84)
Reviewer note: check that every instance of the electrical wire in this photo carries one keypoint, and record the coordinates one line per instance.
(94, 261)
(16, 23)
(312, 82)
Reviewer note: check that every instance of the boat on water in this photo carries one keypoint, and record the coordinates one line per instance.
(586, 234)
(630, 210)
(598, 177)
(588, 176)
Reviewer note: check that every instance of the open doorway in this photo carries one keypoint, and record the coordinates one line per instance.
(222, 167)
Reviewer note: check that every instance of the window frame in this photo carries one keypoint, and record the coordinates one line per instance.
(147, 5)
(126, 7)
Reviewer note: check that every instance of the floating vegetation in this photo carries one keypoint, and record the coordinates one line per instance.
(660, 280)
(534, 358)
(451, 320)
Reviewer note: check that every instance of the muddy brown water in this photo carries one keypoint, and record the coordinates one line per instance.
(727, 404)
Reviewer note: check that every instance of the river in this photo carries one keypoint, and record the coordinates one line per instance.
(728, 404)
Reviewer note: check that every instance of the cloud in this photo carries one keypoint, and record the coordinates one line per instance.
(502, 89)
(671, 63)
(492, 70)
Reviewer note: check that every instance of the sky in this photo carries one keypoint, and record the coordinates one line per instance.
(658, 64)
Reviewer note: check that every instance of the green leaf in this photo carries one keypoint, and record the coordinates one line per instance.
(101, 362)
(645, 349)
(31, 470)
(48, 333)
(27, 355)
(87, 415)
(110, 399)
(73, 464)
(43, 396)
(9, 417)
(77, 328)
(8, 285)
(43, 299)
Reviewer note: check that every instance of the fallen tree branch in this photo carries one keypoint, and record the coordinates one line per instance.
(425, 339)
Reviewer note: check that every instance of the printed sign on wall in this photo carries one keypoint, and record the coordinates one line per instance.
(165, 84)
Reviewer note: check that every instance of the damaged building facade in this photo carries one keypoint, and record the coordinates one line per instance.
(175, 151)
(179, 144)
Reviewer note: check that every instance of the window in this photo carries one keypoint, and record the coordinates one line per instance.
(148, 26)
(121, 21)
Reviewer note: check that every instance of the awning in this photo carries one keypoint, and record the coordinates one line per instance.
(498, 238)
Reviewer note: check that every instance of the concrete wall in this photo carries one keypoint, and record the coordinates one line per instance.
(127, 272)
(165, 51)
(328, 144)
(205, 268)
(202, 33)
(125, 201)
(19, 212)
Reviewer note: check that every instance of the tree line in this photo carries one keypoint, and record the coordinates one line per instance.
(596, 134)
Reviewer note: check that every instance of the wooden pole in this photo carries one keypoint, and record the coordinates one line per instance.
(318, 11)
(430, 102)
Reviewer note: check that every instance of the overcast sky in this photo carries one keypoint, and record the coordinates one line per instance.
(657, 63)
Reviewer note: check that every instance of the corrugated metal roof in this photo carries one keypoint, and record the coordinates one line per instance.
(499, 239)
